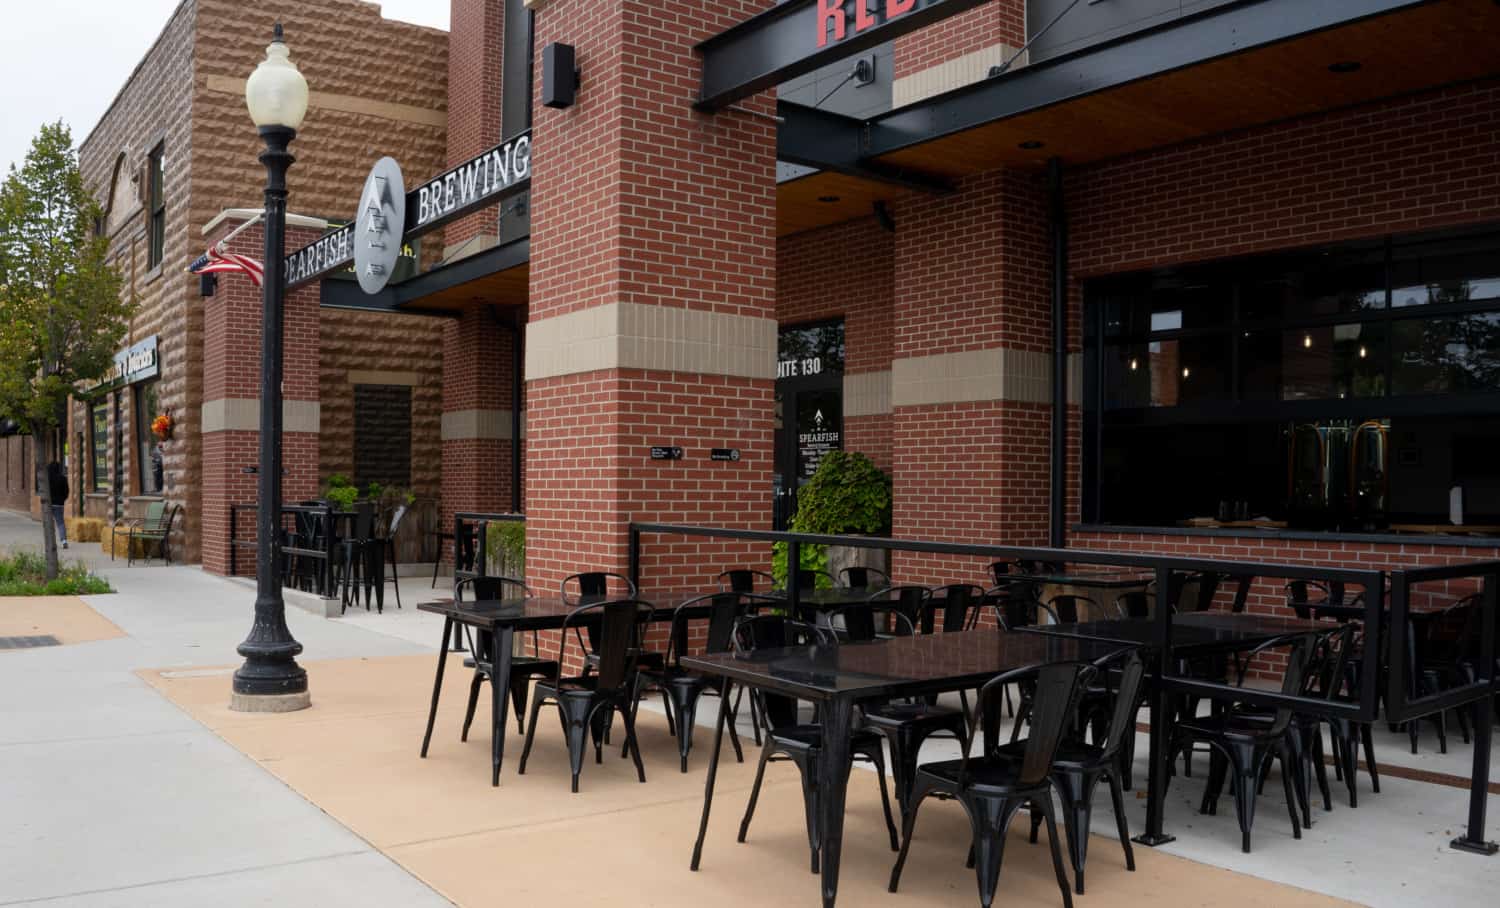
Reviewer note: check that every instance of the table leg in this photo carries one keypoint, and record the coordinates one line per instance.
(1156, 782)
(713, 772)
(437, 682)
(833, 786)
(500, 697)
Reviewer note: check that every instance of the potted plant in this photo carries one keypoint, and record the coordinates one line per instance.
(848, 495)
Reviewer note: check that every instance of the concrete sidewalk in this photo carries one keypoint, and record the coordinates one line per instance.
(113, 796)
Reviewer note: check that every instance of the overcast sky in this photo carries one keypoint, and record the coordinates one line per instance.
(66, 59)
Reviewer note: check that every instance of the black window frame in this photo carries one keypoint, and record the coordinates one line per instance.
(156, 206)
(1393, 250)
(149, 482)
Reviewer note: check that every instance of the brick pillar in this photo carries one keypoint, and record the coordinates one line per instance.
(652, 299)
(476, 40)
(478, 364)
(231, 399)
(971, 388)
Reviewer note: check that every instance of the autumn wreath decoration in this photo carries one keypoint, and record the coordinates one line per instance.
(162, 426)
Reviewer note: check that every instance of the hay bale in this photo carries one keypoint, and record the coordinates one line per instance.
(111, 542)
(85, 529)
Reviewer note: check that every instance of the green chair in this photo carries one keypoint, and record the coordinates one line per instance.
(155, 527)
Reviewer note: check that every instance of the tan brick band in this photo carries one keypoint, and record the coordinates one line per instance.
(1021, 376)
(660, 338)
(867, 394)
(405, 113)
(460, 425)
(956, 73)
(243, 415)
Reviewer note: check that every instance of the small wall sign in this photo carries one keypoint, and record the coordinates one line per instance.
(729, 454)
(666, 452)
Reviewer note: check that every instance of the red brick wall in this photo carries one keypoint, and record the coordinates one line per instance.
(638, 199)
(971, 274)
(478, 369)
(476, 42)
(845, 271)
(1415, 163)
(1000, 21)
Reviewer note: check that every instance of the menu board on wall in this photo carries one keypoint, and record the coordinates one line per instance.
(820, 429)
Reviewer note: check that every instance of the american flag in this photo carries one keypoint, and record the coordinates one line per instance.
(216, 260)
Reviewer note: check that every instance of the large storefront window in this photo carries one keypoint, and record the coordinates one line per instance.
(1345, 388)
(148, 459)
(99, 446)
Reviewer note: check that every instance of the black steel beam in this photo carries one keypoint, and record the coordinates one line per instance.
(1058, 488)
(1181, 43)
(348, 295)
(834, 141)
(783, 43)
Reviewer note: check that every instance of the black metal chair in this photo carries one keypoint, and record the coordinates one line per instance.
(1070, 609)
(1442, 647)
(996, 786)
(387, 545)
(682, 688)
(861, 577)
(586, 703)
(743, 580)
(906, 726)
(808, 579)
(789, 738)
(523, 669)
(1015, 611)
(1245, 746)
(1134, 604)
(1078, 767)
(593, 586)
(357, 567)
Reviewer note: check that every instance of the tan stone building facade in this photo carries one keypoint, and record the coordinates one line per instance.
(175, 150)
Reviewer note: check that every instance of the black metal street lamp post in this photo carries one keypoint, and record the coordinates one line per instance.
(271, 680)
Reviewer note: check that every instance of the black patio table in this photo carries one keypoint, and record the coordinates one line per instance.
(503, 618)
(1194, 633)
(837, 677)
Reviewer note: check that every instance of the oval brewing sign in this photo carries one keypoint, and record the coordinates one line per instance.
(379, 225)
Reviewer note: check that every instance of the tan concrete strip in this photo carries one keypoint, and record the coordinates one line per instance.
(67, 618)
(354, 754)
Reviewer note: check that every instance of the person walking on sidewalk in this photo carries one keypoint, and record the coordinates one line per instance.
(57, 482)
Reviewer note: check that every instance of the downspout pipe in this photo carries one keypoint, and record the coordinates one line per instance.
(1057, 538)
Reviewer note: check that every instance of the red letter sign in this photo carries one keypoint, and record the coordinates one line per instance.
(894, 8)
(862, 17)
(831, 10)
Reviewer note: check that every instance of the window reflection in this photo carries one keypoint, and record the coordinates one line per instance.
(1459, 353)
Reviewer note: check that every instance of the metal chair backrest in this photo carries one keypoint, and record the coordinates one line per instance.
(760, 632)
(725, 609)
(808, 579)
(155, 512)
(492, 589)
(1127, 698)
(1073, 609)
(911, 601)
(1300, 600)
(862, 577)
(1242, 585)
(364, 520)
(960, 602)
(743, 580)
(1452, 635)
(1057, 688)
(1015, 611)
(866, 621)
(394, 525)
(1293, 679)
(616, 635)
(593, 586)
(1134, 604)
(1330, 656)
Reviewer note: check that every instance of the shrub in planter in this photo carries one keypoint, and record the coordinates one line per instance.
(847, 495)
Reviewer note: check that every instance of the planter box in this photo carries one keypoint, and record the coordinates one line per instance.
(843, 556)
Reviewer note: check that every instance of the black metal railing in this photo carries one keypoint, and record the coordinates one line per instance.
(1364, 706)
(322, 553)
(477, 537)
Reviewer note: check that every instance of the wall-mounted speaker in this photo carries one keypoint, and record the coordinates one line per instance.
(559, 76)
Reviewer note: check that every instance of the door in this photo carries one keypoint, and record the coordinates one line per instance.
(809, 409)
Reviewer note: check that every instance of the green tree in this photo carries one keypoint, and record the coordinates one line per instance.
(62, 315)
